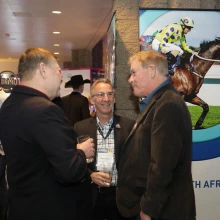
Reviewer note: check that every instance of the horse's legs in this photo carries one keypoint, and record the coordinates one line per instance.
(197, 101)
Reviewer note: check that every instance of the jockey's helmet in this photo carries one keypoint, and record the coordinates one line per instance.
(187, 21)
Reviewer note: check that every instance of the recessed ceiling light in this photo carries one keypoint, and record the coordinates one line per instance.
(56, 12)
(56, 53)
(56, 32)
(56, 45)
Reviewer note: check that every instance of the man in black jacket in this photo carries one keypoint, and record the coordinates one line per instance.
(109, 132)
(44, 163)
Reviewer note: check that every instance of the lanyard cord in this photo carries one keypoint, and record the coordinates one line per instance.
(109, 131)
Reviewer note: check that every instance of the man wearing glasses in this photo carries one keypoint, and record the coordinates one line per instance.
(109, 132)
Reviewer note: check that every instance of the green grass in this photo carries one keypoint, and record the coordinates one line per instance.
(211, 119)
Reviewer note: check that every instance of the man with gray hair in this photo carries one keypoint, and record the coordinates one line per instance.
(154, 178)
(109, 132)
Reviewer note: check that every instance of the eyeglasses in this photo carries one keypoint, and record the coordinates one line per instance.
(101, 95)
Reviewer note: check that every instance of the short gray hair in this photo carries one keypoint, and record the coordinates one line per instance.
(100, 80)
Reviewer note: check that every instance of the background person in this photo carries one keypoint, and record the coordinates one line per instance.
(154, 177)
(109, 132)
(58, 101)
(75, 105)
(3, 96)
(43, 165)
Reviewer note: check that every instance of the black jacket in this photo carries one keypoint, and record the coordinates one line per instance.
(76, 107)
(43, 165)
(122, 128)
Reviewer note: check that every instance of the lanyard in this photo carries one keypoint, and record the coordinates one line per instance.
(109, 131)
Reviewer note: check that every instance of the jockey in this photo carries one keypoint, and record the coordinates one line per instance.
(165, 39)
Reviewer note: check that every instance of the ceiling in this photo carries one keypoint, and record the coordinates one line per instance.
(31, 23)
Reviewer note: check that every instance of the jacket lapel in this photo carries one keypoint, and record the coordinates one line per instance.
(117, 136)
(93, 130)
(146, 110)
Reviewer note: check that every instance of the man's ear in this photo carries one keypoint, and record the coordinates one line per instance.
(42, 68)
(152, 71)
(91, 100)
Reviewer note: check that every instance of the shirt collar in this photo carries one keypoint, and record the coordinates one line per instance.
(145, 101)
(109, 123)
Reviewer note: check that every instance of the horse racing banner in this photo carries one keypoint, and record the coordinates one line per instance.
(194, 67)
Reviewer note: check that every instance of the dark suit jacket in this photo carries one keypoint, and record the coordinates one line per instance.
(89, 127)
(43, 165)
(76, 107)
(155, 163)
(3, 183)
(3, 187)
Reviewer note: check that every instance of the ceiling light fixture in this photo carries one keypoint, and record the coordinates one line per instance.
(56, 53)
(56, 12)
(56, 45)
(56, 32)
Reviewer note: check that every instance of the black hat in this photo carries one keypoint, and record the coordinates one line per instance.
(76, 80)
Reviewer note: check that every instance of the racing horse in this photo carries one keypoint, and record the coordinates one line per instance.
(188, 82)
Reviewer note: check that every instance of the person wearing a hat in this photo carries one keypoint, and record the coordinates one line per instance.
(75, 105)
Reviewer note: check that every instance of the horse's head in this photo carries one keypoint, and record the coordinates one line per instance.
(210, 49)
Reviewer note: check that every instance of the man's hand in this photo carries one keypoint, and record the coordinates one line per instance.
(195, 53)
(88, 147)
(101, 179)
(144, 216)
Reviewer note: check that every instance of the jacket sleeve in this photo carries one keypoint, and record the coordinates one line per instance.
(184, 44)
(56, 137)
(79, 127)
